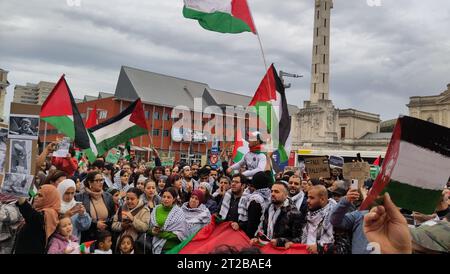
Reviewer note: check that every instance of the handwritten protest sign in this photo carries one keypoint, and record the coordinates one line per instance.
(317, 167)
(357, 170)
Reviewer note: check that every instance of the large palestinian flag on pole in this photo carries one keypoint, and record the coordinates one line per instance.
(416, 167)
(226, 16)
(271, 107)
(60, 111)
(129, 124)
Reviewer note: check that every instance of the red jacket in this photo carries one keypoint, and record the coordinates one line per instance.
(68, 166)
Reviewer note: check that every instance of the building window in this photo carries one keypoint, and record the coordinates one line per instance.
(317, 32)
(83, 115)
(315, 68)
(324, 40)
(325, 23)
(318, 13)
(147, 114)
(166, 133)
(317, 49)
(156, 132)
(315, 86)
(342, 133)
(102, 114)
(166, 116)
(323, 78)
(325, 5)
(156, 115)
(324, 59)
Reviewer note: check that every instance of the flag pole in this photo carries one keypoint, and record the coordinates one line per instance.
(45, 136)
(266, 68)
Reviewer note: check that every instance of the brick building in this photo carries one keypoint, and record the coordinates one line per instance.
(160, 94)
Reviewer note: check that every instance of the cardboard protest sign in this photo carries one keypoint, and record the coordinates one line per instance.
(357, 170)
(317, 167)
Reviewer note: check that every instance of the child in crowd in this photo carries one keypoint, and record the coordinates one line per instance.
(104, 242)
(63, 242)
(126, 245)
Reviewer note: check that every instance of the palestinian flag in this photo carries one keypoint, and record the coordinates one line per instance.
(416, 167)
(219, 233)
(92, 119)
(87, 247)
(225, 16)
(271, 107)
(33, 191)
(127, 151)
(60, 111)
(129, 124)
(240, 147)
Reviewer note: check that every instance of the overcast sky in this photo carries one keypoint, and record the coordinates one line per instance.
(380, 55)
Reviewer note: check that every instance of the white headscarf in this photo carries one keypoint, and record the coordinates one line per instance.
(62, 188)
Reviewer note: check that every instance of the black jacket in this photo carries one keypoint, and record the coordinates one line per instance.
(91, 233)
(254, 218)
(288, 226)
(31, 237)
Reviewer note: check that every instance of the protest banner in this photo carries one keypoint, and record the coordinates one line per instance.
(357, 170)
(317, 167)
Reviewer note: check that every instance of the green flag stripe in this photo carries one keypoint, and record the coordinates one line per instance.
(63, 123)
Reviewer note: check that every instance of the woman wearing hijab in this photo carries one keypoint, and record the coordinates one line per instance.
(196, 213)
(81, 221)
(41, 220)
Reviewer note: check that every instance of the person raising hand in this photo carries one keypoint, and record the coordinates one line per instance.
(386, 226)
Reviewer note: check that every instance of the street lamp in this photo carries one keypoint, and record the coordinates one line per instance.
(292, 75)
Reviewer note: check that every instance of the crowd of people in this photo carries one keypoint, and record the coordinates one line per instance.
(128, 208)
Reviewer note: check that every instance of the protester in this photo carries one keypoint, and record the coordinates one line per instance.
(255, 160)
(126, 245)
(197, 214)
(141, 182)
(98, 204)
(116, 198)
(177, 183)
(103, 243)
(387, 227)
(254, 205)
(41, 220)
(188, 183)
(296, 194)
(162, 184)
(167, 171)
(10, 221)
(81, 221)
(229, 209)
(54, 178)
(63, 241)
(345, 216)
(150, 196)
(108, 175)
(224, 186)
(318, 231)
(168, 223)
(206, 188)
(282, 223)
(69, 164)
(133, 217)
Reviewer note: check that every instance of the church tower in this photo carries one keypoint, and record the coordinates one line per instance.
(320, 71)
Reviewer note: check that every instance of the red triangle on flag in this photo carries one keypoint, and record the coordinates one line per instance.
(92, 119)
(58, 103)
(266, 91)
(138, 116)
